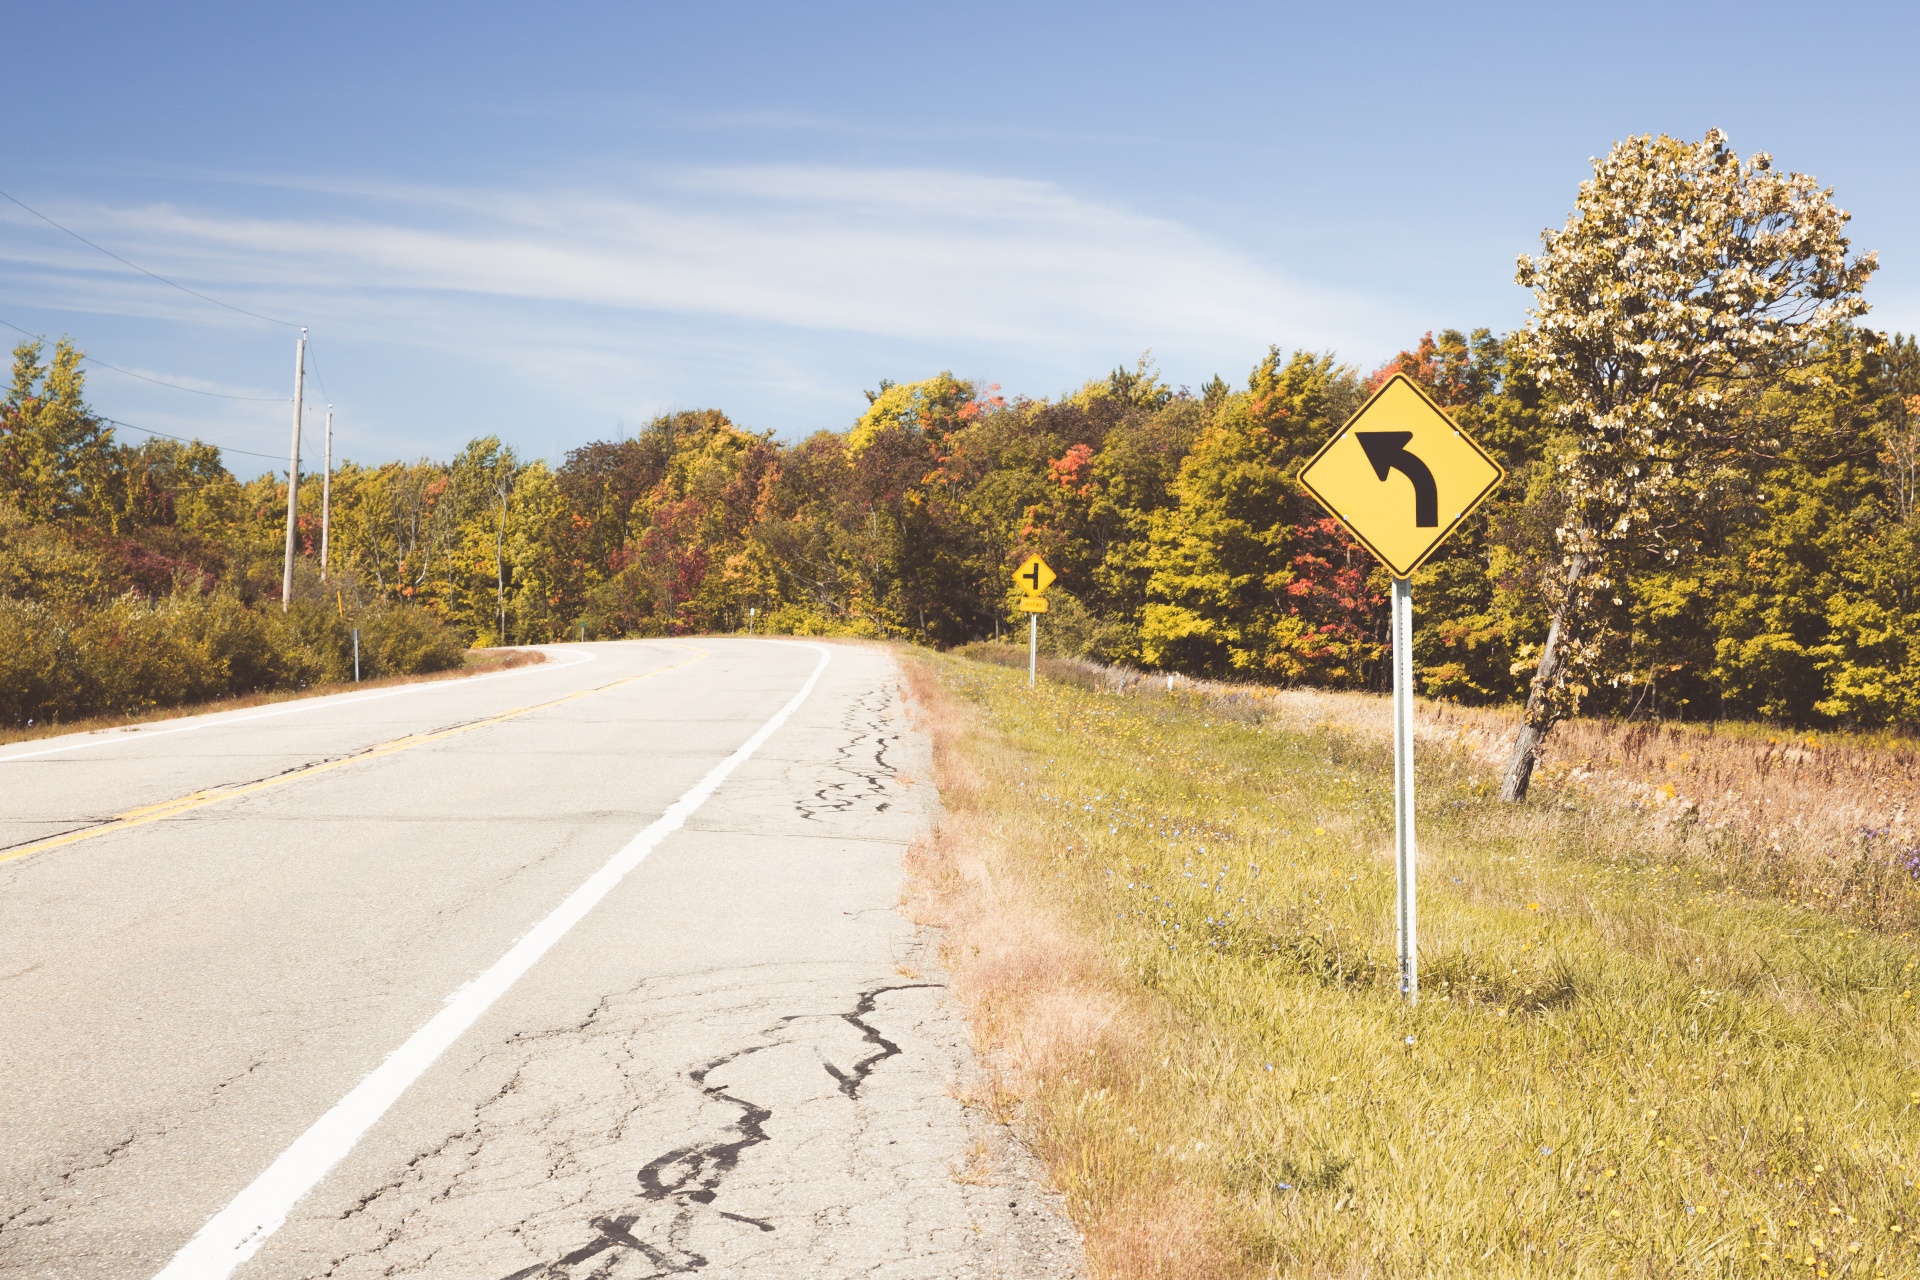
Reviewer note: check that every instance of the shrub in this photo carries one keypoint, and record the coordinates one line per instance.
(131, 655)
(403, 639)
(36, 669)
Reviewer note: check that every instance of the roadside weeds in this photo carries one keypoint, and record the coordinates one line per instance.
(1046, 1007)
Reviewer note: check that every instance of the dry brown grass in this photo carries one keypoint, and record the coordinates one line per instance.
(478, 662)
(1828, 819)
(1048, 1007)
(1815, 818)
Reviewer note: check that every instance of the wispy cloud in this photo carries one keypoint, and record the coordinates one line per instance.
(774, 290)
(924, 254)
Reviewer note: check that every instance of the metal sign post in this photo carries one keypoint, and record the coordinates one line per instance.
(1403, 846)
(1033, 648)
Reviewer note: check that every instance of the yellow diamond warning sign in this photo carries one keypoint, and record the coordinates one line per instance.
(1033, 577)
(1401, 476)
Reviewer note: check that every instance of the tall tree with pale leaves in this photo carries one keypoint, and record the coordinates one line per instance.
(1685, 282)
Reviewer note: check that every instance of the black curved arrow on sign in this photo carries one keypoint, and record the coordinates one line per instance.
(1387, 451)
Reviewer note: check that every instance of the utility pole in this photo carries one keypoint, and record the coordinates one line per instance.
(293, 467)
(326, 495)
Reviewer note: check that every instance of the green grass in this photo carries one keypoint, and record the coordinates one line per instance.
(1621, 1064)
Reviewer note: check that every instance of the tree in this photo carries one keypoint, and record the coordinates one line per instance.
(54, 453)
(1683, 284)
(483, 476)
(1244, 579)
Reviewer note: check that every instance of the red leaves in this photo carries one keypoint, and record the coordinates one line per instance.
(1444, 370)
(1330, 585)
(1073, 471)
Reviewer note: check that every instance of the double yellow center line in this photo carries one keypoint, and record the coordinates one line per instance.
(201, 799)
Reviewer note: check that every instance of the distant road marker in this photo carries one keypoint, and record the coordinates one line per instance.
(1033, 577)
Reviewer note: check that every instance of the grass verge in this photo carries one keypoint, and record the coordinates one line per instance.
(1171, 923)
(476, 662)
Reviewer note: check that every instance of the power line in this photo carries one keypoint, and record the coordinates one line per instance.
(315, 366)
(271, 457)
(149, 430)
(142, 270)
(159, 381)
(220, 395)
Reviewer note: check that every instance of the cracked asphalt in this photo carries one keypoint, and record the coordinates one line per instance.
(742, 1062)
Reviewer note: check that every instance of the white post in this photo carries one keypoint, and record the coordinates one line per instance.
(1033, 648)
(293, 466)
(356, 655)
(1403, 844)
(326, 496)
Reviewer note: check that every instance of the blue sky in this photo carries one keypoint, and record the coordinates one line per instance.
(551, 223)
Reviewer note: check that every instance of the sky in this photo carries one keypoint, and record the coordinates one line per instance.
(552, 223)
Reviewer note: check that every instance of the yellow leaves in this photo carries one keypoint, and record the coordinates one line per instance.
(936, 402)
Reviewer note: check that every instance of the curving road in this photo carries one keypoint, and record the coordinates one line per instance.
(592, 968)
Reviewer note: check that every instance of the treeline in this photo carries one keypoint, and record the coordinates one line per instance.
(140, 576)
(1175, 519)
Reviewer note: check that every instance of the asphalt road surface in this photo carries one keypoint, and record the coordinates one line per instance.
(593, 968)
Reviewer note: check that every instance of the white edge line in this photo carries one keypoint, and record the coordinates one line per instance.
(236, 1233)
(215, 719)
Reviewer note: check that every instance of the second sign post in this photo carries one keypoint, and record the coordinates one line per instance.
(1442, 475)
(1033, 578)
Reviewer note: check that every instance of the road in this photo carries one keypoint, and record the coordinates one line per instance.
(532, 974)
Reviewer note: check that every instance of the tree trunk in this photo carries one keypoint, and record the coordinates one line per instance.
(1540, 714)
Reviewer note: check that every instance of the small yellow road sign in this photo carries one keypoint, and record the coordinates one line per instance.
(1033, 577)
(1400, 475)
(1033, 604)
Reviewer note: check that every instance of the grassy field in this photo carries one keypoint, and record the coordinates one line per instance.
(1661, 1033)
